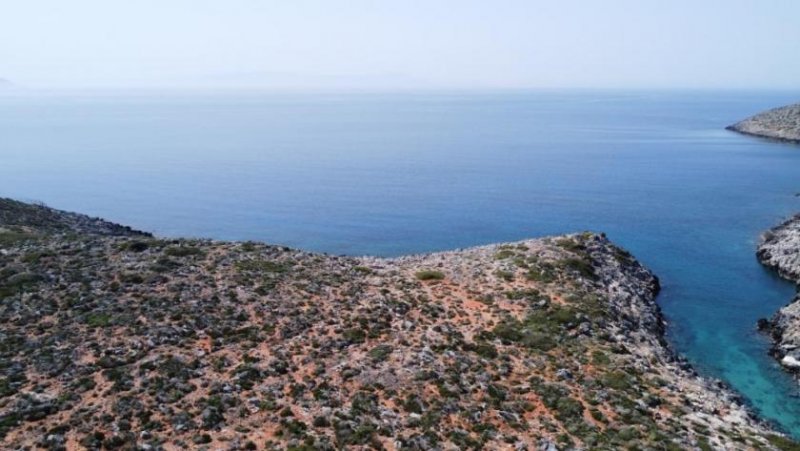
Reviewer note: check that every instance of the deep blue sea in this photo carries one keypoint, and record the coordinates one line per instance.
(391, 174)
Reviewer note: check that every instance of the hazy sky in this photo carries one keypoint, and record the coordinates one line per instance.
(401, 44)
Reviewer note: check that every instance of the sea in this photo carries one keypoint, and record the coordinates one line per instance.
(397, 173)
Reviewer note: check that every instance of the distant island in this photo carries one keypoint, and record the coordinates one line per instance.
(780, 123)
(113, 338)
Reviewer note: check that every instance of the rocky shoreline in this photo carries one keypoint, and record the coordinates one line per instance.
(113, 338)
(780, 247)
(780, 250)
(781, 124)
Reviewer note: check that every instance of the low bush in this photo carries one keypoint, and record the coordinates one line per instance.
(429, 274)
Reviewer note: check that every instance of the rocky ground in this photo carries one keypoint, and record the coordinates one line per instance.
(780, 123)
(112, 338)
(780, 250)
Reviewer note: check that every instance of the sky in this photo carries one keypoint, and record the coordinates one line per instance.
(401, 44)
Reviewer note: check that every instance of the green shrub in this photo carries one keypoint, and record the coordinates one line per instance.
(182, 251)
(35, 257)
(503, 254)
(136, 246)
(98, 319)
(429, 274)
(543, 274)
(579, 265)
(539, 330)
(531, 294)
(321, 422)
(354, 335)
(600, 358)
(12, 238)
(617, 380)
(414, 404)
(380, 353)
(486, 350)
(262, 266)
(571, 245)
(622, 255)
(509, 330)
(18, 283)
(293, 428)
(539, 340)
(568, 409)
(364, 403)
(133, 278)
(362, 269)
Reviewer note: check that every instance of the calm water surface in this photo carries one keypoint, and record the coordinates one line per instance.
(402, 173)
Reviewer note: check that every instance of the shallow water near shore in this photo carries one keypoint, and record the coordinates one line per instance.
(391, 174)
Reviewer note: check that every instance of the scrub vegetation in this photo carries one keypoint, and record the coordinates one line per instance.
(114, 339)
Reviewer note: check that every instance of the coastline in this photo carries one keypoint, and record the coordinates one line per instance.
(763, 136)
(547, 342)
(779, 250)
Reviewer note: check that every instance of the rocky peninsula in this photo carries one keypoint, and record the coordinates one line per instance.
(779, 123)
(113, 338)
(780, 250)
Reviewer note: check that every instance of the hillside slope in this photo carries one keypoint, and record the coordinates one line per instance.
(115, 339)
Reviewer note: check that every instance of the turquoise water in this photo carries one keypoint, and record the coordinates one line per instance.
(390, 174)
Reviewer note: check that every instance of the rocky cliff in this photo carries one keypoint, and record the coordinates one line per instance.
(779, 123)
(780, 250)
(115, 339)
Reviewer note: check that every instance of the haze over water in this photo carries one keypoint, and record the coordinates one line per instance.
(391, 174)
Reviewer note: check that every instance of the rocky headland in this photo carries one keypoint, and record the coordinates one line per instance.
(112, 338)
(779, 123)
(780, 250)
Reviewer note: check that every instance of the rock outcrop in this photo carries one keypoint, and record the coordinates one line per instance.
(780, 123)
(112, 338)
(780, 250)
